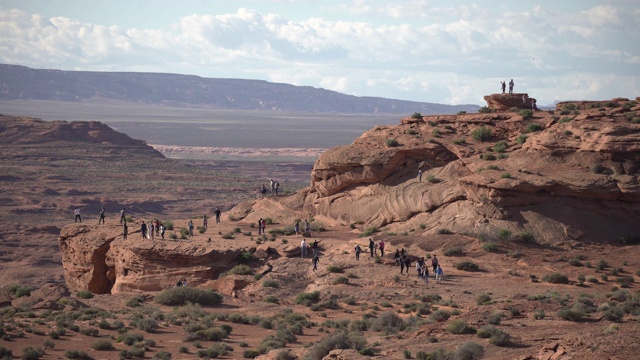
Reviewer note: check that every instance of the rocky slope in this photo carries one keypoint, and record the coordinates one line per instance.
(568, 173)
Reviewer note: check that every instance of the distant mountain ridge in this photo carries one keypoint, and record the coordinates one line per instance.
(24, 83)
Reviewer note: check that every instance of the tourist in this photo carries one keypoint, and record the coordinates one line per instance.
(296, 227)
(425, 274)
(277, 186)
(101, 218)
(407, 264)
(439, 274)
(511, 84)
(151, 230)
(77, 217)
(204, 221)
(259, 226)
(401, 265)
(396, 257)
(434, 263)
(358, 251)
(303, 248)
(381, 246)
(125, 231)
(372, 246)
(504, 85)
(218, 213)
(419, 175)
(190, 225)
(315, 245)
(143, 229)
(307, 226)
(122, 216)
(315, 260)
(162, 228)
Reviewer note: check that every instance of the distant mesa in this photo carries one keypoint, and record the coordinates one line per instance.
(504, 102)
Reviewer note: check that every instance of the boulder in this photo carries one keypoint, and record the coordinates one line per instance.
(504, 102)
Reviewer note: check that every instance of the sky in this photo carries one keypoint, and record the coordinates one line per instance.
(451, 52)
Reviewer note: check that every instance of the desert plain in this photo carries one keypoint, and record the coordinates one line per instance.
(534, 218)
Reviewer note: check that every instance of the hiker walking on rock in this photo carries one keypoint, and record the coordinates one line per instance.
(439, 274)
(190, 225)
(218, 212)
(125, 231)
(205, 220)
(407, 264)
(358, 251)
(101, 218)
(303, 248)
(143, 230)
(122, 216)
(315, 260)
(296, 227)
(381, 246)
(372, 246)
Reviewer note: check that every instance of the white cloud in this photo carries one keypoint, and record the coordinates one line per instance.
(411, 49)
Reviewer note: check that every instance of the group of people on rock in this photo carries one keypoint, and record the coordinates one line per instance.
(155, 228)
(504, 86)
(274, 187)
(307, 227)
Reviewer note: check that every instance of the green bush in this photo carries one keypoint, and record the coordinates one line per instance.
(239, 270)
(84, 294)
(466, 266)
(271, 283)
(526, 114)
(308, 298)
(533, 127)
(444, 232)
(416, 115)
(20, 291)
(341, 280)
(504, 234)
(392, 143)
(334, 269)
(490, 246)
(453, 251)
(440, 315)
(75, 354)
(180, 295)
(31, 353)
(500, 146)
(432, 179)
(458, 327)
(521, 139)
(466, 351)
(556, 278)
(572, 314)
(482, 133)
(483, 299)
(5, 353)
(369, 231)
(484, 110)
(526, 236)
(102, 345)
(505, 176)
(162, 355)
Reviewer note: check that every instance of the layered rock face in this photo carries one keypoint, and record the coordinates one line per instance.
(554, 176)
(504, 102)
(98, 259)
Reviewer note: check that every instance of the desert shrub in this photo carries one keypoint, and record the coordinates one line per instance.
(440, 315)
(416, 115)
(488, 157)
(458, 327)
(556, 278)
(575, 262)
(180, 295)
(483, 299)
(505, 176)
(484, 110)
(445, 232)
(466, 266)
(500, 146)
(76, 354)
(571, 314)
(392, 143)
(271, 283)
(5, 353)
(614, 313)
(482, 133)
(521, 139)
(625, 281)
(495, 318)
(388, 322)
(211, 334)
(130, 338)
(89, 331)
(490, 246)
(630, 239)
(453, 251)
(239, 270)
(334, 269)
(436, 133)
(526, 114)
(228, 236)
(539, 314)
(564, 120)
(146, 324)
(102, 345)
(135, 301)
(162, 355)
(467, 351)
(341, 280)
(84, 294)
(369, 231)
(433, 179)
(308, 298)
(31, 353)
(533, 127)
(272, 299)
(173, 236)
(168, 225)
(338, 340)
(504, 234)
(526, 236)
(20, 291)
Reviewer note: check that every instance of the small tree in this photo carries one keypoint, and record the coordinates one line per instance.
(482, 133)
(416, 115)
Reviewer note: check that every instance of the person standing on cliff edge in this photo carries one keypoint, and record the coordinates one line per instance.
(504, 86)
(511, 87)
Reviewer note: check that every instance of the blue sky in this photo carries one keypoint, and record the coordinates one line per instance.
(450, 52)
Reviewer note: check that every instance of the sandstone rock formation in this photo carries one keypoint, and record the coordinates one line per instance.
(575, 178)
(504, 102)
